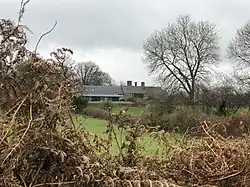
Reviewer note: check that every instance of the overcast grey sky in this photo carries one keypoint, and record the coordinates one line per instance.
(111, 32)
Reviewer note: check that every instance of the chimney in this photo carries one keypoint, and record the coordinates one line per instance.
(129, 83)
(142, 84)
(135, 83)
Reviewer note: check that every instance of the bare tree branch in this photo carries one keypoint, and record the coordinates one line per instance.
(239, 47)
(22, 10)
(239, 51)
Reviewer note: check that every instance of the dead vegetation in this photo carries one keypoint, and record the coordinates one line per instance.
(227, 127)
(40, 145)
(214, 161)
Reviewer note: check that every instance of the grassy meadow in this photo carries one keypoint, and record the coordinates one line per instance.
(148, 142)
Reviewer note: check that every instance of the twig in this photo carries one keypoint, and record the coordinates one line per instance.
(31, 118)
(24, 183)
(54, 183)
(44, 35)
(19, 104)
(211, 149)
(38, 170)
(118, 145)
(229, 176)
(15, 113)
(13, 119)
(191, 173)
(71, 118)
(207, 132)
(113, 131)
(142, 113)
(13, 107)
(21, 10)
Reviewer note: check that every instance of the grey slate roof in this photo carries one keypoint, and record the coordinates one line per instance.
(154, 90)
(118, 91)
(108, 91)
(134, 89)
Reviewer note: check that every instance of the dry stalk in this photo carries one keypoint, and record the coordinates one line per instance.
(12, 122)
(21, 139)
(55, 183)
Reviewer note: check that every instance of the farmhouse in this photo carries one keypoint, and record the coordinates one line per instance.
(117, 93)
(101, 93)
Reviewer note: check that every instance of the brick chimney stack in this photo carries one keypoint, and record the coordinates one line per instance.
(129, 83)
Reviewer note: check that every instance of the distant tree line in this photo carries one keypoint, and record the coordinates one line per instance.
(89, 73)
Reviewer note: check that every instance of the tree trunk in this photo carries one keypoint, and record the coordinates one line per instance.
(192, 97)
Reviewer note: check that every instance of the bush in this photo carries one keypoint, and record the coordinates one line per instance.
(107, 105)
(187, 119)
(224, 110)
(162, 107)
(150, 98)
(96, 112)
(80, 103)
(133, 100)
(181, 121)
(239, 125)
(207, 159)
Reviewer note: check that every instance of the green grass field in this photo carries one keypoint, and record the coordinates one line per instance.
(148, 142)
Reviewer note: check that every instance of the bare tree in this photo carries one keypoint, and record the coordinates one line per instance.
(182, 54)
(239, 46)
(89, 73)
(239, 51)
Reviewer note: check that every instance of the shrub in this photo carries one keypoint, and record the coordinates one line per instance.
(107, 105)
(224, 110)
(162, 107)
(96, 112)
(187, 119)
(180, 121)
(239, 124)
(208, 158)
(226, 126)
(132, 100)
(80, 104)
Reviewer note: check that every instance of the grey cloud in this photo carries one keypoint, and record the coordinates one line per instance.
(121, 23)
(87, 25)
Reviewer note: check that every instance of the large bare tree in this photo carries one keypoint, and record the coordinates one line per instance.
(183, 53)
(89, 73)
(239, 52)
